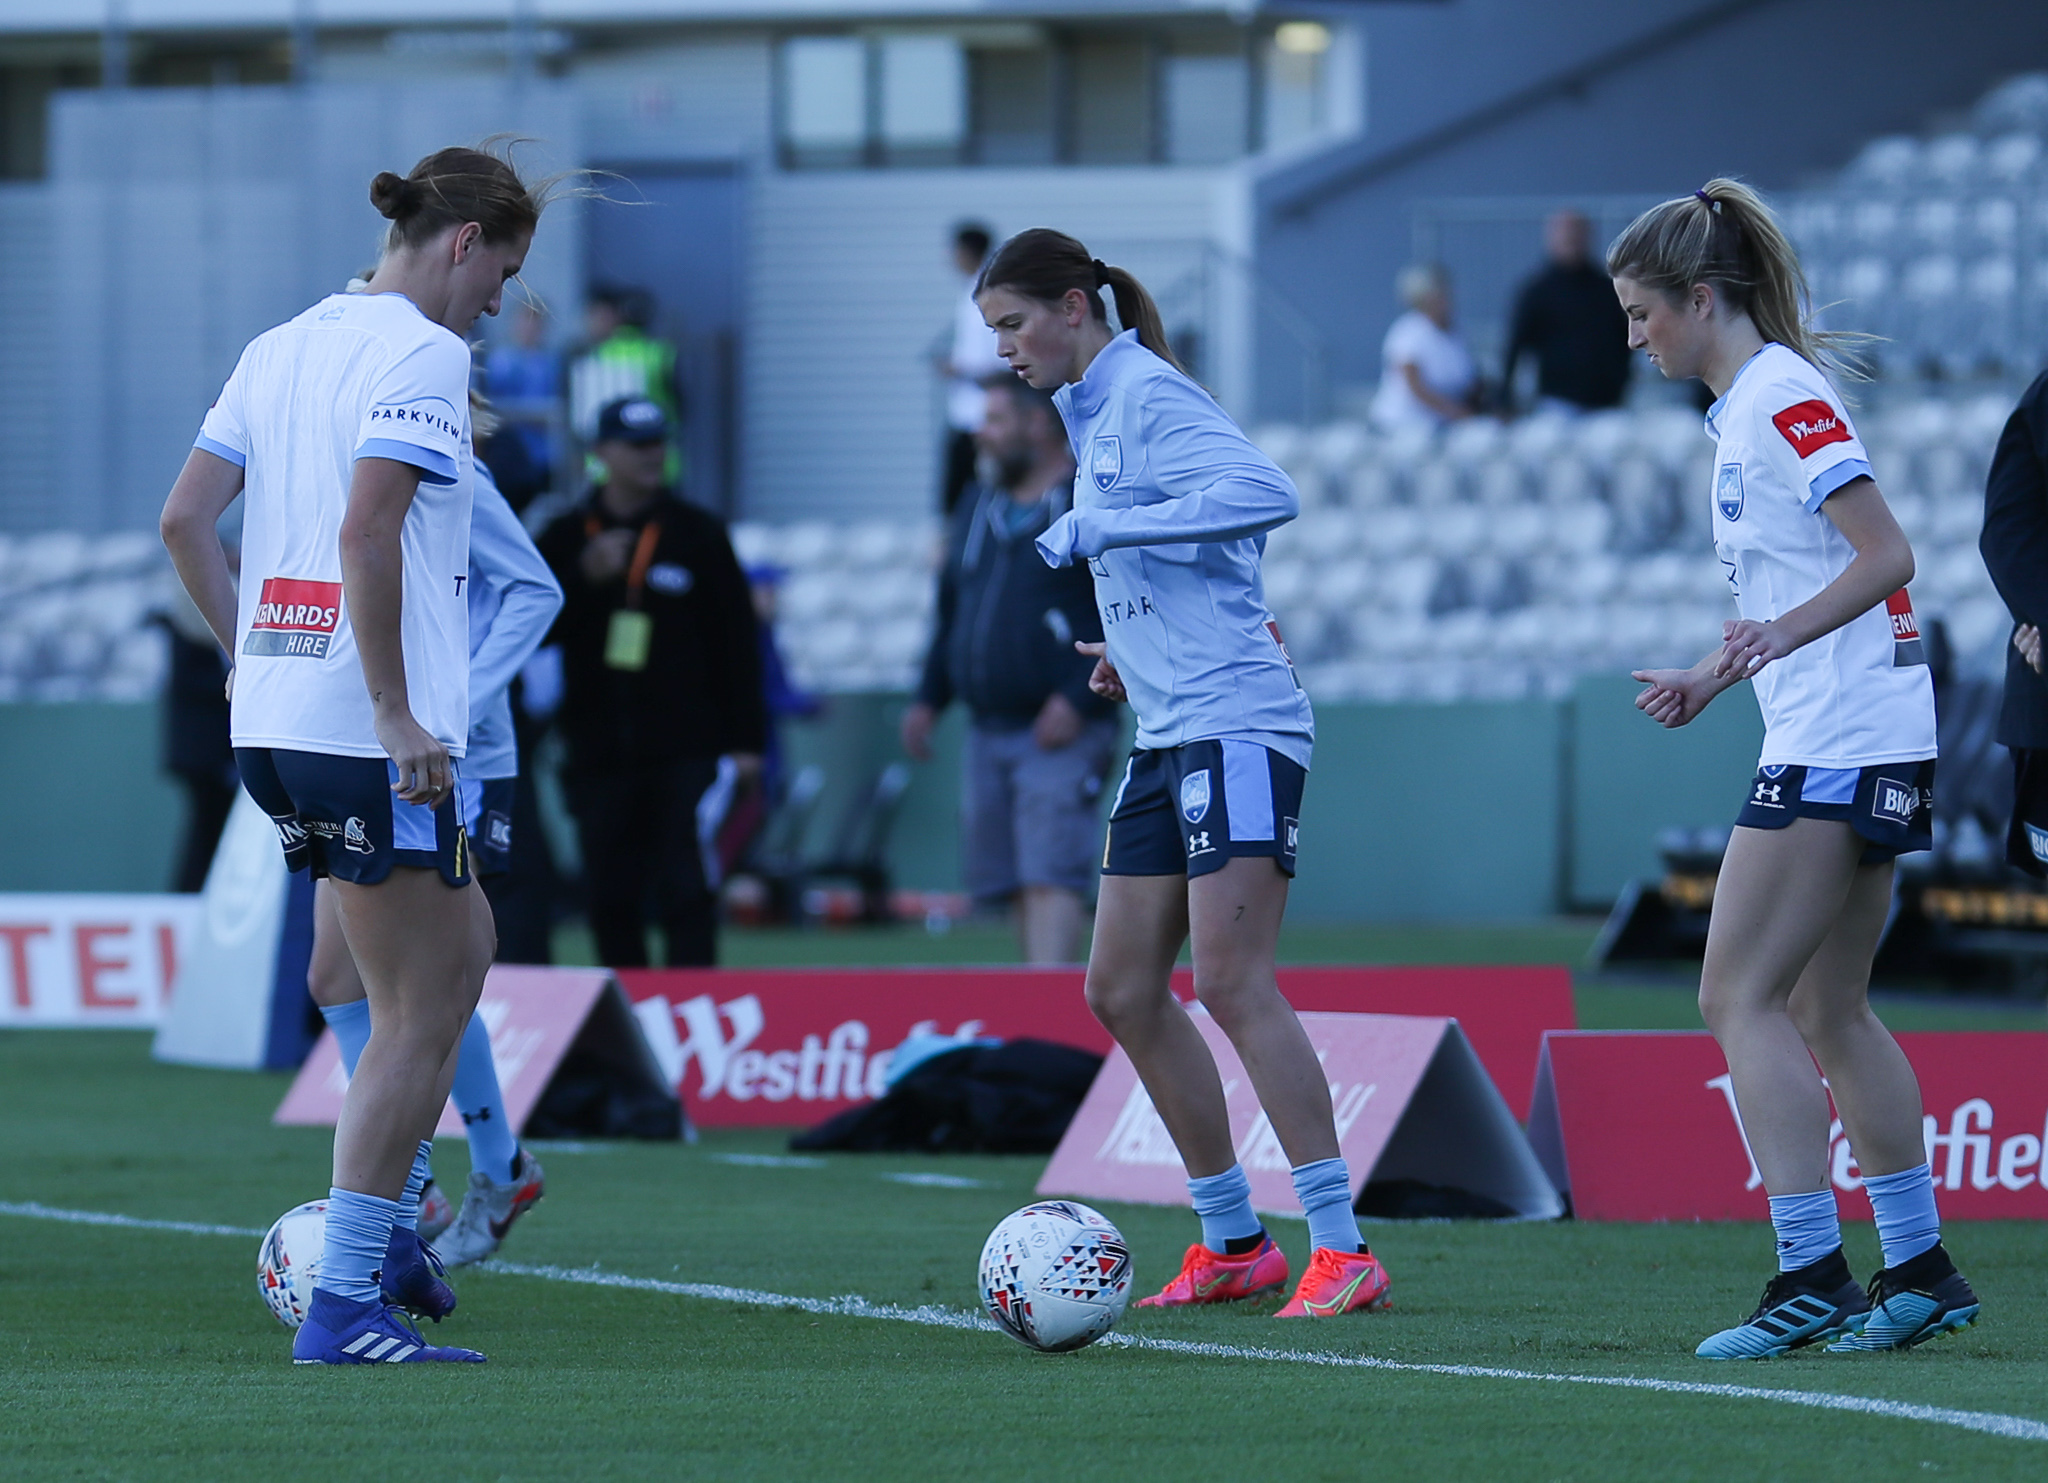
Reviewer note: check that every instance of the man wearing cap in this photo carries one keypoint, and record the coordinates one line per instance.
(661, 672)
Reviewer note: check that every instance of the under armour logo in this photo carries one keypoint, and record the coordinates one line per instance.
(1767, 792)
(481, 1115)
(1198, 843)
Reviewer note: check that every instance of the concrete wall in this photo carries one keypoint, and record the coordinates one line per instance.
(1499, 97)
(1413, 812)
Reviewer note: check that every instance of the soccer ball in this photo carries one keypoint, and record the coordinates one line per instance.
(1055, 1276)
(288, 1261)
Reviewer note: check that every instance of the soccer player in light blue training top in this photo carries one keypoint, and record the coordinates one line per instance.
(1845, 784)
(1170, 512)
(513, 598)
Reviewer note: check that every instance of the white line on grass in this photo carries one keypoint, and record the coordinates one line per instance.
(938, 1181)
(932, 1315)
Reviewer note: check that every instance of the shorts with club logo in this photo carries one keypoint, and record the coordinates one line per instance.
(337, 816)
(2026, 838)
(1188, 810)
(1890, 805)
(487, 816)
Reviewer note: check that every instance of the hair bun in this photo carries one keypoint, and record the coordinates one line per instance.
(391, 194)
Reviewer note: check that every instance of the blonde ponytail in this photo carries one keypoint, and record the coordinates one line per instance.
(1724, 235)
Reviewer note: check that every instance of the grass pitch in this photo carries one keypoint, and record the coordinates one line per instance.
(143, 1354)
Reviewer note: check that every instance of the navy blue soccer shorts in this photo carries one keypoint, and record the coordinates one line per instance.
(1188, 810)
(338, 817)
(1890, 805)
(487, 815)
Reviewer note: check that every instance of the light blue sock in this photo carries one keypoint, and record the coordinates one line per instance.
(358, 1231)
(351, 1026)
(1224, 1201)
(1808, 1226)
(1907, 1222)
(1324, 1189)
(422, 1170)
(492, 1144)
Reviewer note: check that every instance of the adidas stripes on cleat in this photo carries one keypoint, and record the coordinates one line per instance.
(1210, 1277)
(413, 1277)
(436, 1214)
(338, 1332)
(1920, 1299)
(1810, 1305)
(1338, 1282)
(488, 1210)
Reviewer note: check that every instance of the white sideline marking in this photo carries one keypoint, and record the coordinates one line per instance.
(766, 1161)
(932, 1315)
(938, 1181)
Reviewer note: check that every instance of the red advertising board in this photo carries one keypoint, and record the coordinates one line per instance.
(781, 1047)
(83, 960)
(1642, 1126)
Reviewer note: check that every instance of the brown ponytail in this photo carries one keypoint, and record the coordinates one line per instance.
(451, 187)
(1047, 265)
(1725, 236)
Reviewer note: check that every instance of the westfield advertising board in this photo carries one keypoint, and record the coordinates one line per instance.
(1643, 1126)
(772, 1047)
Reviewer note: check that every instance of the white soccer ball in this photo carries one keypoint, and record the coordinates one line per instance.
(1055, 1275)
(288, 1261)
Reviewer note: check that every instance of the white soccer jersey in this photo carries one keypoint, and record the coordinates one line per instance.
(1862, 694)
(355, 376)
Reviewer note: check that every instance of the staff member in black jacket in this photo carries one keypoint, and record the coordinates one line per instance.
(2014, 544)
(661, 673)
(1007, 623)
(1567, 317)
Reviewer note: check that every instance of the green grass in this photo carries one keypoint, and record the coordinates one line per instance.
(147, 1355)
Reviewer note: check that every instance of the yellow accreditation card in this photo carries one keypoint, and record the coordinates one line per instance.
(627, 640)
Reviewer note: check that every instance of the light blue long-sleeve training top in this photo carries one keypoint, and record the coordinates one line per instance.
(1170, 510)
(513, 599)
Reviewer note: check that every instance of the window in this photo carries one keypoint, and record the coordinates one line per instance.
(924, 99)
(1207, 113)
(825, 100)
(1294, 100)
(1112, 101)
(1013, 122)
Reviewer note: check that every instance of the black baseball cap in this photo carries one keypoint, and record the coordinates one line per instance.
(632, 419)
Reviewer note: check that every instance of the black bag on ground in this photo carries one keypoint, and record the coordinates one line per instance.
(1017, 1097)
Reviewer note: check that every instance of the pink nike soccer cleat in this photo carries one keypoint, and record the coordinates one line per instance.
(1338, 1282)
(1208, 1277)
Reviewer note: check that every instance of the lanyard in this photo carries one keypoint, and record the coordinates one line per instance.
(643, 556)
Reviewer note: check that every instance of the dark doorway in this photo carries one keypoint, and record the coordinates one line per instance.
(675, 230)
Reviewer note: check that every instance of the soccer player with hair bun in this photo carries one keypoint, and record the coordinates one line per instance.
(1826, 634)
(1170, 513)
(347, 432)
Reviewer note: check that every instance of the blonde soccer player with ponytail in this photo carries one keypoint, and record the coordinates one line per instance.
(1170, 513)
(1826, 635)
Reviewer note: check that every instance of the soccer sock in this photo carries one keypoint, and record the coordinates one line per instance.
(1224, 1201)
(358, 1231)
(1324, 1189)
(492, 1147)
(351, 1026)
(422, 1170)
(1808, 1228)
(1907, 1222)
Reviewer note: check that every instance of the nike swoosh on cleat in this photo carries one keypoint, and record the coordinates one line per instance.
(1203, 1289)
(1336, 1304)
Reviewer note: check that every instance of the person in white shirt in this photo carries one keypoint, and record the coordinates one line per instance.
(347, 432)
(970, 359)
(1826, 634)
(1427, 376)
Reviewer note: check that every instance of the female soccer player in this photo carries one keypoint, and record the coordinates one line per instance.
(347, 430)
(1819, 569)
(512, 598)
(1169, 512)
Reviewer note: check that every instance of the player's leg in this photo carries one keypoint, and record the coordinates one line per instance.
(616, 830)
(1782, 893)
(1056, 806)
(689, 907)
(1919, 1294)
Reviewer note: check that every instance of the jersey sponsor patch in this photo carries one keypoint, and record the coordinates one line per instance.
(1811, 426)
(294, 617)
(1728, 490)
(1194, 796)
(1106, 461)
(1906, 647)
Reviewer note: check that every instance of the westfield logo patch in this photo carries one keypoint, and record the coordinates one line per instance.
(1811, 426)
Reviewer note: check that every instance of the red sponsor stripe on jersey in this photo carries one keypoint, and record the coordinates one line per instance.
(1811, 426)
(299, 606)
(1900, 606)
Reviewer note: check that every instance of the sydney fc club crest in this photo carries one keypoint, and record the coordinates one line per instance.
(1107, 462)
(1728, 490)
(1194, 796)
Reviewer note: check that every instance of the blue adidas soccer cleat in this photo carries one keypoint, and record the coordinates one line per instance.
(338, 1332)
(1920, 1299)
(413, 1277)
(1811, 1305)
